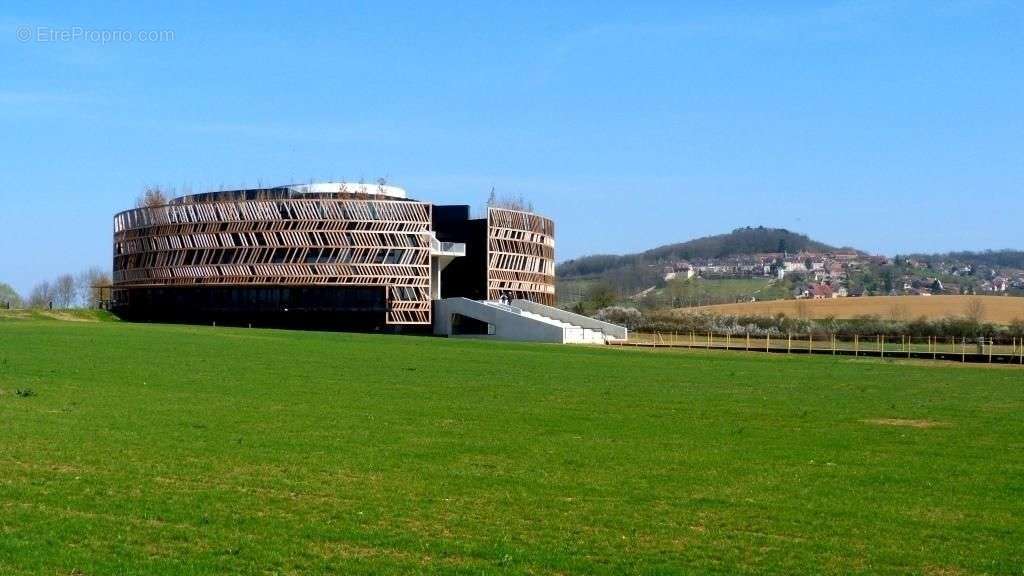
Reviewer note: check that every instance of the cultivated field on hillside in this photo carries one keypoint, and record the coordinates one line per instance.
(697, 291)
(995, 309)
(150, 449)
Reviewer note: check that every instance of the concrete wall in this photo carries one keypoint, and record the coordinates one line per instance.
(507, 325)
(613, 330)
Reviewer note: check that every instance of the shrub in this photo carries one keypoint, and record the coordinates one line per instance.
(1016, 328)
(628, 317)
(780, 324)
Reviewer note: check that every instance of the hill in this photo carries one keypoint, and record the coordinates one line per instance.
(747, 264)
(322, 453)
(631, 272)
(740, 241)
(994, 309)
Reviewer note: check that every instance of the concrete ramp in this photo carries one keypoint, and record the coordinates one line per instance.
(462, 317)
(609, 330)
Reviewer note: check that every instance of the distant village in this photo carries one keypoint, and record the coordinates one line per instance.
(815, 275)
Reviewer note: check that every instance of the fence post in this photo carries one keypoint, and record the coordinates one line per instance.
(856, 345)
(768, 342)
(709, 340)
(810, 343)
(748, 341)
(881, 346)
(833, 344)
(963, 349)
(991, 345)
(789, 343)
(910, 341)
(728, 340)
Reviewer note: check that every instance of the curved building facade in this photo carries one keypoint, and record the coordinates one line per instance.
(328, 254)
(520, 256)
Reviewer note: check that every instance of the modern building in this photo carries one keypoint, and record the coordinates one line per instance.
(329, 255)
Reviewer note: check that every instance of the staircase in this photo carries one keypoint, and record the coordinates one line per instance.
(524, 321)
(573, 334)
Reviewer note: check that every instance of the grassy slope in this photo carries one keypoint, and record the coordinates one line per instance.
(74, 314)
(724, 290)
(569, 292)
(192, 450)
(687, 291)
(999, 309)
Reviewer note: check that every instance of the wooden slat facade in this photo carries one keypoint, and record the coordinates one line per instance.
(282, 242)
(520, 256)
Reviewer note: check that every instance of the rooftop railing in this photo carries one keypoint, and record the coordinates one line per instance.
(454, 248)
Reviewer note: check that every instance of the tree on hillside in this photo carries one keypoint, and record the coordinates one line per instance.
(997, 258)
(89, 283)
(152, 196)
(888, 280)
(65, 291)
(600, 295)
(41, 295)
(9, 296)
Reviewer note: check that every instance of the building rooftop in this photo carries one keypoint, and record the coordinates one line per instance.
(348, 188)
(293, 191)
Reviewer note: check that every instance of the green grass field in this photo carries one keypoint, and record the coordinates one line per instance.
(150, 449)
(700, 291)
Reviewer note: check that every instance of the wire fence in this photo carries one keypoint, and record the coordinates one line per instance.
(991, 350)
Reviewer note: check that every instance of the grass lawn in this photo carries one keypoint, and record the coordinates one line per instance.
(152, 449)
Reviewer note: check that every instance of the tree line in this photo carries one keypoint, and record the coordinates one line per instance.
(67, 290)
(969, 325)
(993, 258)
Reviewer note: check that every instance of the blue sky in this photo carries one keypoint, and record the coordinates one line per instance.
(890, 126)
